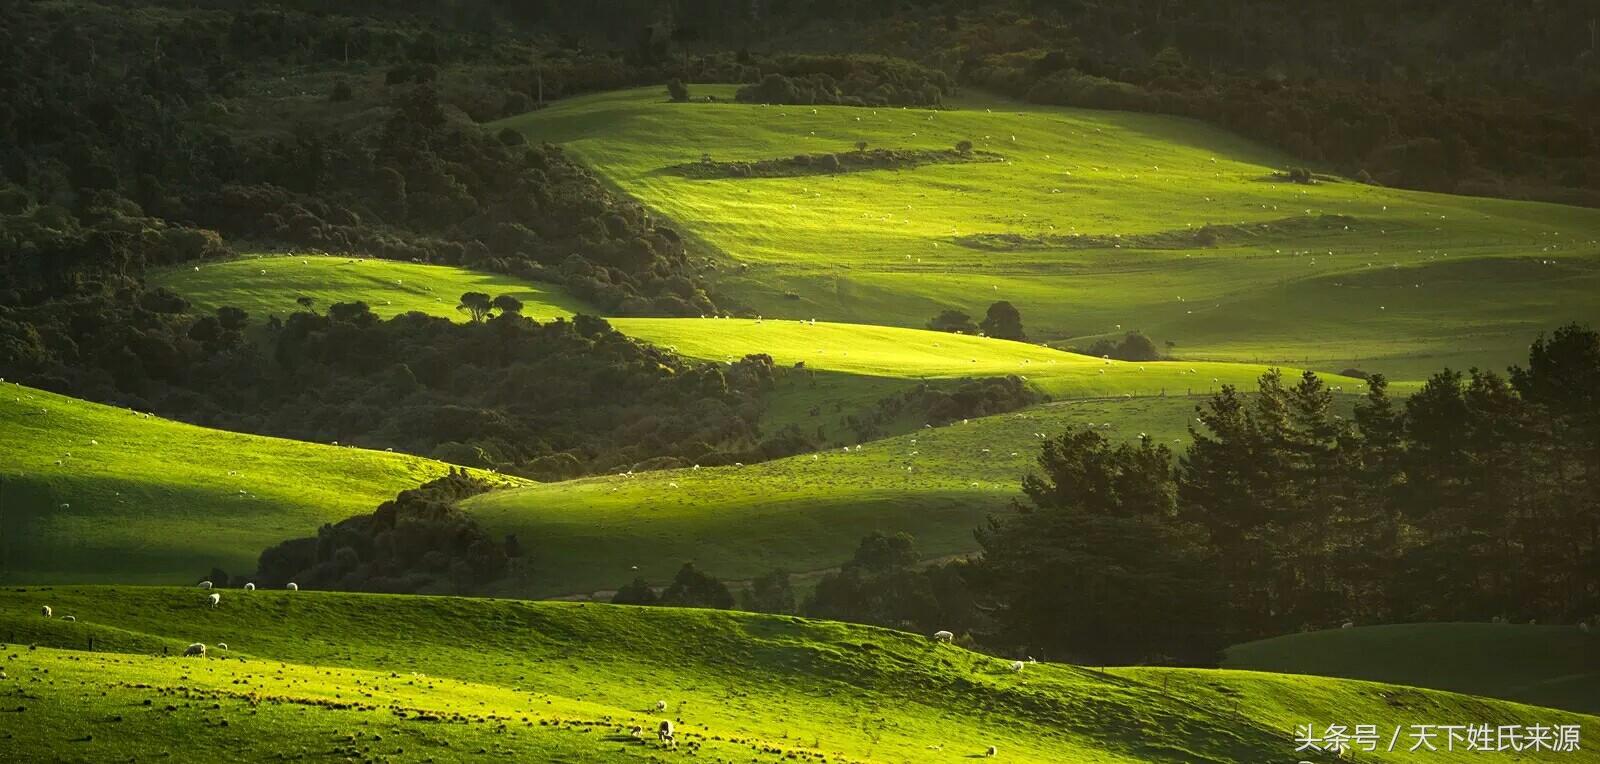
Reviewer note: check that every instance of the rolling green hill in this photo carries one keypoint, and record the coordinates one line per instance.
(1555, 666)
(803, 513)
(311, 674)
(92, 493)
(1089, 223)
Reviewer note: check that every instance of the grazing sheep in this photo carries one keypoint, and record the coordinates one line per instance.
(993, 751)
(1584, 627)
(69, 618)
(195, 650)
(661, 705)
(665, 735)
(205, 584)
(214, 598)
(46, 610)
(249, 587)
(1348, 625)
(222, 645)
(1016, 665)
(943, 636)
(293, 587)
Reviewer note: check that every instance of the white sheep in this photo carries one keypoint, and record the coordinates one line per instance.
(943, 636)
(661, 705)
(205, 584)
(69, 618)
(1583, 627)
(195, 650)
(214, 598)
(222, 645)
(249, 587)
(293, 587)
(1016, 665)
(665, 734)
(993, 751)
(46, 610)
(1348, 625)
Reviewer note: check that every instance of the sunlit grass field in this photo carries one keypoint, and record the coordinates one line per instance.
(93, 493)
(1402, 282)
(1556, 666)
(409, 679)
(265, 285)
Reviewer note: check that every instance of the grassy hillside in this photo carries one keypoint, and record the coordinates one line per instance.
(1556, 666)
(92, 493)
(412, 678)
(269, 284)
(1089, 223)
(802, 513)
(886, 351)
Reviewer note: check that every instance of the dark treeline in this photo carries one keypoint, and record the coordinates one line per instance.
(1477, 498)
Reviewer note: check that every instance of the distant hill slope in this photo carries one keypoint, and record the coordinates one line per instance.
(1094, 219)
(312, 674)
(1554, 666)
(92, 493)
(854, 349)
(264, 285)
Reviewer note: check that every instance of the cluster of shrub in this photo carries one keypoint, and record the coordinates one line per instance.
(417, 543)
(1002, 321)
(884, 583)
(1133, 346)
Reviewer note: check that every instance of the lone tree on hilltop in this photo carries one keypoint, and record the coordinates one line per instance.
(1003, 321)
(476, 305)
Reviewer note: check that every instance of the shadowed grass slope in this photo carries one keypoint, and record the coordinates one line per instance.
(448, 678)
(102, 494)
(1555, 666)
